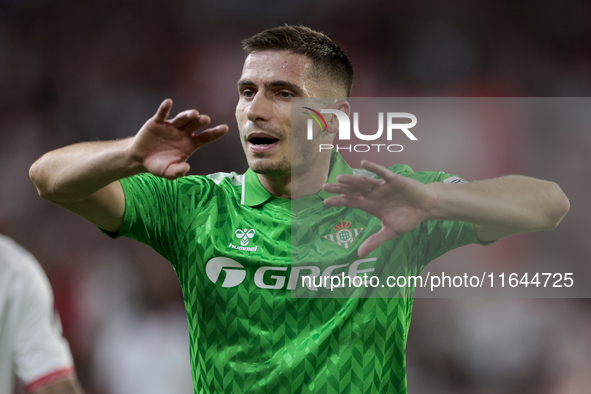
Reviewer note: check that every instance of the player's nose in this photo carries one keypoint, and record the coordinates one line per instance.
(259, 108)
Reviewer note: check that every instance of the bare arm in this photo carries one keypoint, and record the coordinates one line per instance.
(502, 206)
(497, 207)
(66, 386)
(84, 177)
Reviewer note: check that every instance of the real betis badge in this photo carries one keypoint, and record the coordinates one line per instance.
(344, 235)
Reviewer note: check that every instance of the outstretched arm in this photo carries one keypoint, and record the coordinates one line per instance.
(84, 177)
(498, 207)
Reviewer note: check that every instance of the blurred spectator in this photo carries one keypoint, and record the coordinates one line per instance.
(30, 339)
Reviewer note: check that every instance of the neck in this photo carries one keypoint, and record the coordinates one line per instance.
(292, 186)
(279, 186)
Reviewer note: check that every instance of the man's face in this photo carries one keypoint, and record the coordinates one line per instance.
(269, 80)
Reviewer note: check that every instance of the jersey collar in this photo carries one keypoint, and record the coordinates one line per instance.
(254, 193)
(338, 166)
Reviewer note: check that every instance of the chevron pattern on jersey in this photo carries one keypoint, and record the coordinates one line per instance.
(249, 332)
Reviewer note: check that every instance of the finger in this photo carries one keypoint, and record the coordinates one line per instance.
(210, 135)
(357, 202)
(163, 111)
(176, 170)
(361, 181)
(374, 241)
(337, 188)
(184, 118)
(195, 124)
(377, 169)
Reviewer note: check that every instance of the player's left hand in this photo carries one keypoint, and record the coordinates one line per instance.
(399, 202)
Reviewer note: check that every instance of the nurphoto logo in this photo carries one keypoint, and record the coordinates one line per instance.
(344, 133)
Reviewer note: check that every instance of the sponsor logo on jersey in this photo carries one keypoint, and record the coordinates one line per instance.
(344, 235)
(245, 236)
(236, 273)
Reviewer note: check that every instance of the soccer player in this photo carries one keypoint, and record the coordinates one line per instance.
(31, 344)
(228, 236)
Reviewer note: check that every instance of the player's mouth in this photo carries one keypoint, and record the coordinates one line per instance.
(261, 142)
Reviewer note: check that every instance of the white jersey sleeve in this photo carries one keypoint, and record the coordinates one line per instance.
(35, 347)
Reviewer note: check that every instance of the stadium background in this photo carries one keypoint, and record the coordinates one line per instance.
(77, 71)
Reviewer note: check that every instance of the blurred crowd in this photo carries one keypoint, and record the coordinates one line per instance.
(80, 71)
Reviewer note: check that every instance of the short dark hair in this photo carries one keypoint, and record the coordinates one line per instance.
(328, 57)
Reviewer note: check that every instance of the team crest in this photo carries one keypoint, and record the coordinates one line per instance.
(344, 235)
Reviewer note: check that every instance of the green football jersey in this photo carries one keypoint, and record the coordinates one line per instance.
(240, 253)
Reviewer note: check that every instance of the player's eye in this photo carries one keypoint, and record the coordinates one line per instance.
(286, 94)
(248, 93)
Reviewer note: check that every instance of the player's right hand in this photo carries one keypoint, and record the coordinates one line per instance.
(163, 146)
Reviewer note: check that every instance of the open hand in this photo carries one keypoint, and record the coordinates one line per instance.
(163, 146)
(399, 202)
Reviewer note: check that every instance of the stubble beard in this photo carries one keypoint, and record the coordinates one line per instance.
(280, 168)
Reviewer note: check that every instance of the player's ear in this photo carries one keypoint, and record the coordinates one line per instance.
(332, 119)
(344, 106)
